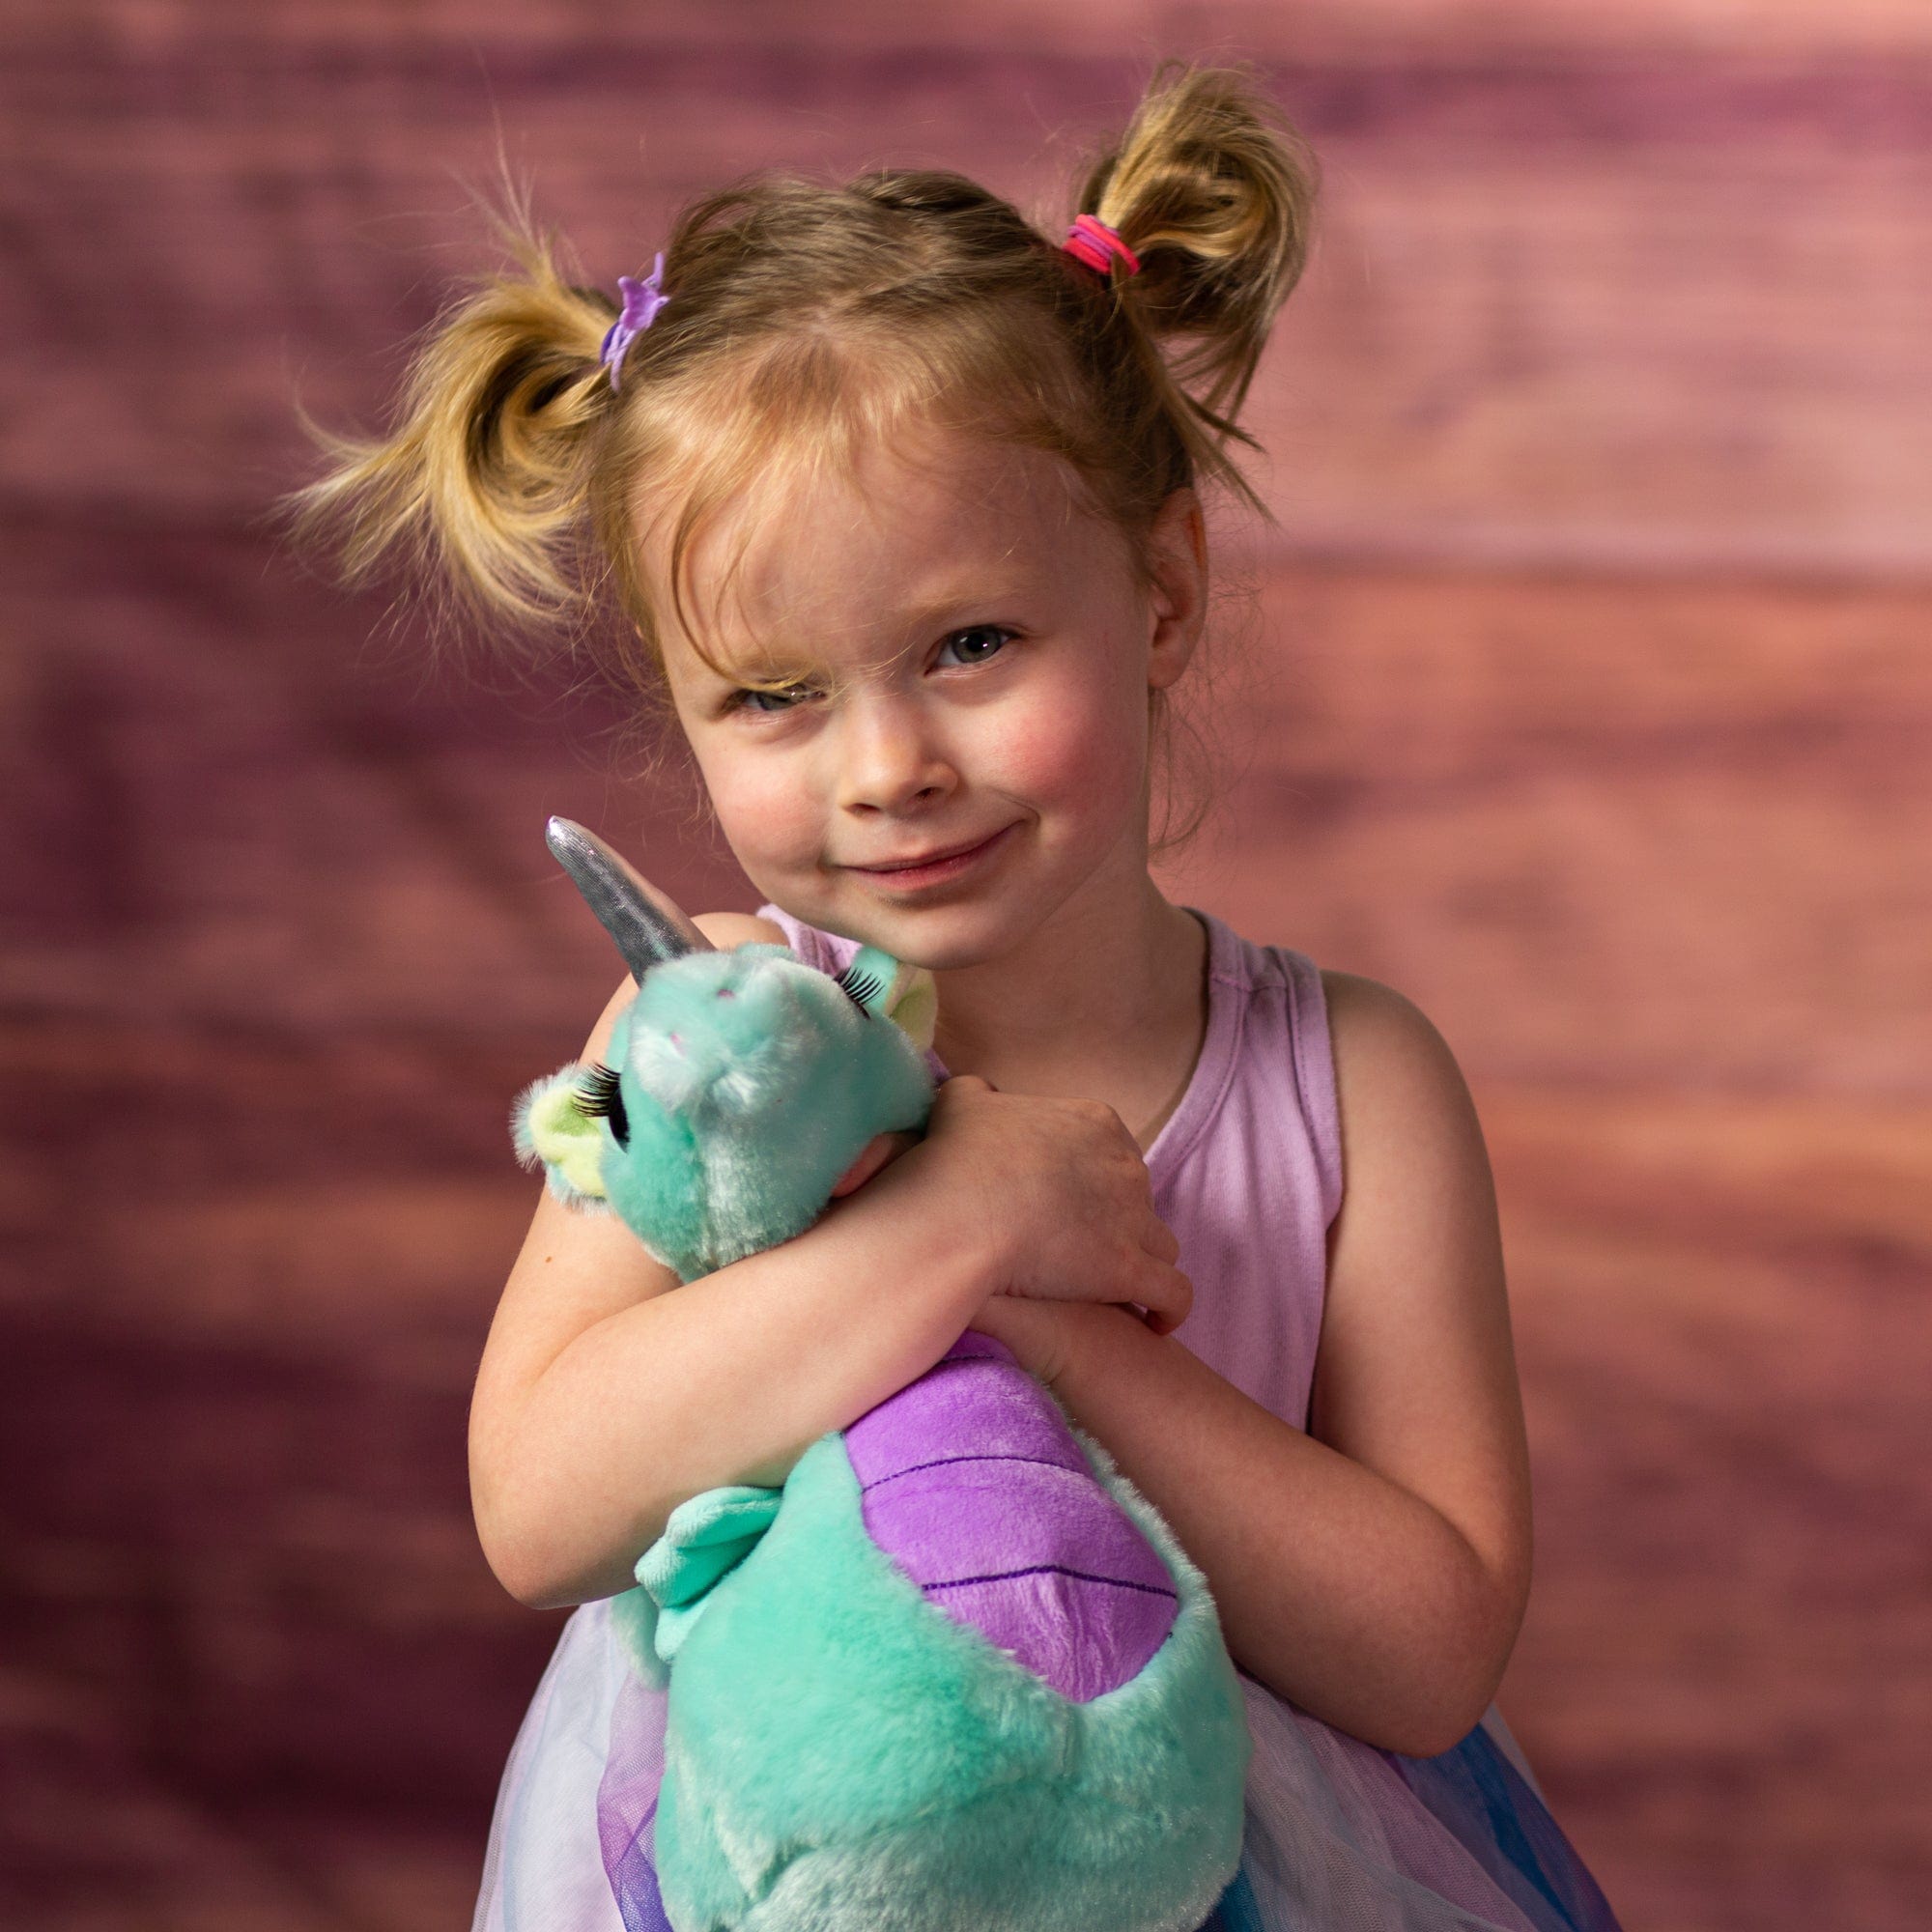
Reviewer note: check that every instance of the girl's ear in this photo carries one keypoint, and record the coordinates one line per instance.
(907, 995)
(547, 1126)
(1178, 549)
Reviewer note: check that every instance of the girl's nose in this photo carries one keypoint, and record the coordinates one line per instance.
(891, 755)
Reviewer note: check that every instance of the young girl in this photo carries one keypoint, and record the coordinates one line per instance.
(899, 497)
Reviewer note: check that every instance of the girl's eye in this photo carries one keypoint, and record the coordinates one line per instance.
(998, 631)
(784, 699)
(788, 698)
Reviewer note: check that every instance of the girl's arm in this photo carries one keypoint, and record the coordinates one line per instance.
(589, 1353)
(1375, 1570)
(604, 1401)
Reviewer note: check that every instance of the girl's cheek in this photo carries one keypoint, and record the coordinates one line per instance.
(762, 812)
(1087, 756)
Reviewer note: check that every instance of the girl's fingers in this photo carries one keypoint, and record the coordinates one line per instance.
(1160, 1242)
(873, 1155)
(1168, 1296)
(1160, 1324)
(967, 1083)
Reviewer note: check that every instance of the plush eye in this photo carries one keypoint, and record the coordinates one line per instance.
(859, 986)
(600, 1097)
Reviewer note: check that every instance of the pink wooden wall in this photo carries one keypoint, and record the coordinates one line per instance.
(1583, 697)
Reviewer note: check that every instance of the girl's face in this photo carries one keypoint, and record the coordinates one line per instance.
(980, 658)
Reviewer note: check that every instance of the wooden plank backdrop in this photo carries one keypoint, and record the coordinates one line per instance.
(1581, 694)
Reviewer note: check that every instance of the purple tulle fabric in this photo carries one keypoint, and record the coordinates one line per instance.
(1339, 1836)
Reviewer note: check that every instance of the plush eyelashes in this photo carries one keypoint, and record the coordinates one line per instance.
(598, 1096)
(859, 986)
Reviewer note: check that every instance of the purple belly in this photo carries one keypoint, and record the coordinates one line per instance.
(975, 1487)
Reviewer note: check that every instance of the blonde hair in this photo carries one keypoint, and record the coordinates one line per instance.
(808, 321)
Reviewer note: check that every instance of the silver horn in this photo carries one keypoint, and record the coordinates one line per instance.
(647, 924)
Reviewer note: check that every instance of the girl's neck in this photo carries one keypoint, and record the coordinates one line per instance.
(1119, 1019)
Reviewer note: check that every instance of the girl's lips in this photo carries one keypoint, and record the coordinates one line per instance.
(938, 869)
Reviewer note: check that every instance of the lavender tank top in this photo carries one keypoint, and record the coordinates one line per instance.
(1247, 1168)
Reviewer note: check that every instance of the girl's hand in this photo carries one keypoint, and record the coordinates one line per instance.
(881, 1150)
(1047, 1337)
(1067, 1204)
(1038, 1332)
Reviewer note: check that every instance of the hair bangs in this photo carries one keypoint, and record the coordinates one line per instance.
(806, 414)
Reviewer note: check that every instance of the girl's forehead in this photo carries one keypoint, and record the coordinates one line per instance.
(865, 558)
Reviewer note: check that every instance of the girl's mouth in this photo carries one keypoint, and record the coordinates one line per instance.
(901, 878)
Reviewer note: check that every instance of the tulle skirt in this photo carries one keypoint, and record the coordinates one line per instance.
(1339, 1836)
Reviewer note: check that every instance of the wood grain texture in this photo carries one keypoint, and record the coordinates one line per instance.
(1628, 307)
(1611, 830)
(1581, 697)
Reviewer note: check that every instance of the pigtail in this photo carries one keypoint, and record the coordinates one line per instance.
(483, 481)
(1214, 191)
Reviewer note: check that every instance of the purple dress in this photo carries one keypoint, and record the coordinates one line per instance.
(1340, 1834)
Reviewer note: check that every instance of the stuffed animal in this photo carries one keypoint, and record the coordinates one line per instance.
(957, 1675)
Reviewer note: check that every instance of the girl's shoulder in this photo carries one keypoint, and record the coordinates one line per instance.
(1378, 1035)
(1398, 1093)
(737, 928)
(829, 951)
(1420, 1203)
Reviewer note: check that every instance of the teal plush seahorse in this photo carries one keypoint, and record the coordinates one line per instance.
(957, 1675)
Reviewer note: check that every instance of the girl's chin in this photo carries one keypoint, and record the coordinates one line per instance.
(947, 938)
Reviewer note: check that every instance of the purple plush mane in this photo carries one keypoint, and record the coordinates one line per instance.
(973, 1484)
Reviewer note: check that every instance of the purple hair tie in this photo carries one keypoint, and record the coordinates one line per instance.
(641, 302)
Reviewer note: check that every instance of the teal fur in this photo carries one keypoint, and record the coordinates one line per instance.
(736, 1141)
(920, 1763)
(840, 1752)
(703, 1538)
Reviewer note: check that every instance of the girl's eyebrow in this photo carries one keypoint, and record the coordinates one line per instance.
(767, 670)
(914, 620)
(979, 596)
(710, 679)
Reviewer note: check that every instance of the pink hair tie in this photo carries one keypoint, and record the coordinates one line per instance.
(1093, 241)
